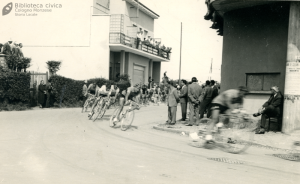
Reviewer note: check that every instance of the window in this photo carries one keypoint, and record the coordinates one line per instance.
(261, 81)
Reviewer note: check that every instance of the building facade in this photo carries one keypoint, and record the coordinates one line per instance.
(261, 43)
(127, 18)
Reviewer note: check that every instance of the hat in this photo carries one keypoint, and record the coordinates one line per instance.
(275, 88)
(194, 79)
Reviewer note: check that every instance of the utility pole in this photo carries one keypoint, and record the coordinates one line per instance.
(180, 53)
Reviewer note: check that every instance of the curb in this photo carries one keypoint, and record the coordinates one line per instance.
(252, 143)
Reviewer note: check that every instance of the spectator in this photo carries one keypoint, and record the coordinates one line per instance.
(84, 92)
(206, 98)
(49, 91)
(149, 82)
(272, 108)
(41, 94)
(139, 38)
(214, 95)
(20, 50)
(194, 92)
(172, 101)
(1, 45)
(15, 49)
(7, 48)
(183, 99)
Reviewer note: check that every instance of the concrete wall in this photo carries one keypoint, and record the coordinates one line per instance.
(139, 60)
(255, 41)
(78, 62)
(117, 7)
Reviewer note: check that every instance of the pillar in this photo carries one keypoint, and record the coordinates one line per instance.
(150, 68)
(122, 62)
(291, 109)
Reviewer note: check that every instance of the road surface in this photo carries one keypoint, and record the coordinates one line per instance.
(63, 146)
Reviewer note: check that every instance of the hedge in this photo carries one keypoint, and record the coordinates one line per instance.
(14, 86)
(69, 91)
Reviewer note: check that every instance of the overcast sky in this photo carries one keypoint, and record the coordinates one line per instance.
(200, 45)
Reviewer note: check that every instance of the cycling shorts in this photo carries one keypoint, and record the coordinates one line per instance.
(221, 108)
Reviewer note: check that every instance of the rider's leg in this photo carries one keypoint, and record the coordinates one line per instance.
(213, 122)
(93, 106)
(122, 101)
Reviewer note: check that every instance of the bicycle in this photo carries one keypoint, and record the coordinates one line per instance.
(106, 103)
(228, 134)
(97, 107)
(126, 117)
(90, 100)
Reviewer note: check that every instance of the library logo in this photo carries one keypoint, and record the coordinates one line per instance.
(7, 9)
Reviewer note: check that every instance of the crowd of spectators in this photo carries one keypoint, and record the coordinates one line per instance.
(11, 48)
(151, 42)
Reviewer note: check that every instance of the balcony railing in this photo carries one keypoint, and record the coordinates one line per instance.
(120, 38)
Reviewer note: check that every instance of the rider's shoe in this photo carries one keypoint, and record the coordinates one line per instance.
(209, 144)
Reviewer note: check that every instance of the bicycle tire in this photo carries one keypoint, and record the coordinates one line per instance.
(234, 140)
(111, 120)
(85, 106)
(127, 120)
(100, 113)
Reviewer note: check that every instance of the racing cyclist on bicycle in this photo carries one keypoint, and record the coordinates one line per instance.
(125, 97)
(225, 103)
(100, 94)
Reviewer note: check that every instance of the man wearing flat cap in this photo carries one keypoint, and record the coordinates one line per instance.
(272, 108)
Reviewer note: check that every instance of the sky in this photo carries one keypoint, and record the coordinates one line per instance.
(200, 44)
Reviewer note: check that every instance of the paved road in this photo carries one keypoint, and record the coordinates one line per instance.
(63, 146)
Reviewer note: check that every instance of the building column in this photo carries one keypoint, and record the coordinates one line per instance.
(122, 62)
(150, 68)
(291, 115)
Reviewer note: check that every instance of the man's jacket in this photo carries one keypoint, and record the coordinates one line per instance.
(275, 102)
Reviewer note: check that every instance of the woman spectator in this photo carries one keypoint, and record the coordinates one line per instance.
(41, 94)
(49, 92)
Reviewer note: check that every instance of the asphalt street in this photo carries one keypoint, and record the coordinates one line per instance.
(63, 146)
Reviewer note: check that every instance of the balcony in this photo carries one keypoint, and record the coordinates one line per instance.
(119, 41)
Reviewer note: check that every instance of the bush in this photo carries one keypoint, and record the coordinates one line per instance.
(14, 86)
(68, 92)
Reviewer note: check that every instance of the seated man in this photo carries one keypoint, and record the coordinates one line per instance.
(271, 108)
(126, 97)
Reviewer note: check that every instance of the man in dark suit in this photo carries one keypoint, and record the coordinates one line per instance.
(206, 98)
(271, 108)
(194, 92)
(214, 95)
(172, 101)
(183, 99)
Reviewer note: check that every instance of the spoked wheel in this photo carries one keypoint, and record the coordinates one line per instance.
(111, 120)
(233, 139)
(100, 114)
(127, 120)
(84, 108)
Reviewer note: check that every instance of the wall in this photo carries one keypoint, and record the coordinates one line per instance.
(117, 7)
(255, 41)
(139, 60)
(101, 7)
(78, 61)
(156, 72)
(144, 21)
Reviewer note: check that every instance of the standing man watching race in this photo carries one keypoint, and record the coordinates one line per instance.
(226, 102)
(126, 97)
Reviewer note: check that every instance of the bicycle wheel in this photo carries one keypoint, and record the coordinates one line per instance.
(127, 120)
(99, 114)
(111, 120)
(84, 108)
(234, 139)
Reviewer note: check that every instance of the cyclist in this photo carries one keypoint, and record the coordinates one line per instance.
(92, 88)
(144, 93)
(126, 97)
(225, 103)
(100, 94)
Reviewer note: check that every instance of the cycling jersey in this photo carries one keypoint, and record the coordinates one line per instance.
(92, 89)
(228, 99)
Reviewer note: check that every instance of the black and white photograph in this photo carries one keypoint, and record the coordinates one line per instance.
(149, 91)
